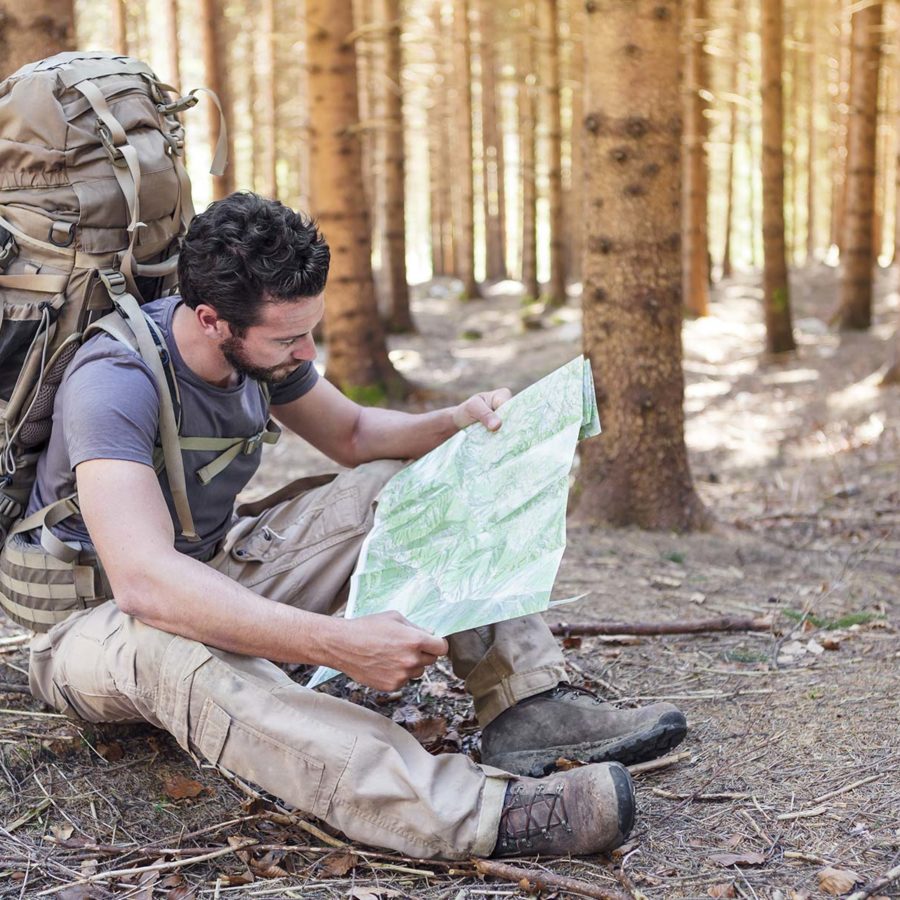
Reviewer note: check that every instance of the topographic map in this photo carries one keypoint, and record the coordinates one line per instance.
(473, 532)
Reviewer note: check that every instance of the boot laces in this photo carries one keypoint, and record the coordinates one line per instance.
(564, 689)
(539, 812)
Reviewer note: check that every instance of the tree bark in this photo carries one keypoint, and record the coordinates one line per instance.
(637, 471)
(119, 26)
(527, 119)
(492, 138)
(839, 126)
(734, 87)
(440, 133)
(393, 131)
(812, 28)
(695, 186)
(357, 354)
(30, 31)
(551, 128)
(268, 66)
(858, 250)
(215, 67)
(575, 229)
(776, 295)
(462, 78)
(173, 44)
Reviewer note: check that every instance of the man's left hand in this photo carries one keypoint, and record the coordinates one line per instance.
(480, 408)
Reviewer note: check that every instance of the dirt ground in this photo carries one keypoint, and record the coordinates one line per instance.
(792, 763)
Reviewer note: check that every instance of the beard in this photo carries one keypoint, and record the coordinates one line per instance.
(233, 350)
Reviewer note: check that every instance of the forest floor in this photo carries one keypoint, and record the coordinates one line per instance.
(792, 763)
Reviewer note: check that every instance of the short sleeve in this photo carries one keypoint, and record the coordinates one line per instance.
(110, 410)
(298, 383)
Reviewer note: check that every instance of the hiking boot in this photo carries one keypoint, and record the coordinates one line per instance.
(574, 723)
(586, 810)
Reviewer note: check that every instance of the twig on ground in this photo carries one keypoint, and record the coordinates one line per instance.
(802, 814)
(704, 798)
(27, 816)
(807, 857)
(534, 881)
(31, 713)
(662, 763)
(7, 687)
(721, 623)
(876, 884)
(847, 787)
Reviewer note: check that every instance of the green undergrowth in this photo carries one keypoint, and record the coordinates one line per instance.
(855, 618)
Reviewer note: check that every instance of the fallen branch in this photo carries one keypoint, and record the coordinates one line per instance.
(846, 788)
(7, 687)
(533, 881)
(721, 623)
(802, 814)
(703, 798)
(876, 884)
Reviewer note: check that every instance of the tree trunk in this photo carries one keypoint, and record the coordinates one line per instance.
(812, 187)
(173, 44)
(400, 319)
(215, 68)
(268, 66)
(462, 79)
(527, 119)
(30, 31)
(440, 133)
(858, 251)
(492, 139)
(357, 354)
(736, 29)
(637, 471)
(575, 230)
(119, 26)
(551, 127)
(776, 296)
(695, 186)
(839, 128)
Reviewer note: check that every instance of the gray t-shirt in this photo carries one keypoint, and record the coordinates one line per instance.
(107, 407)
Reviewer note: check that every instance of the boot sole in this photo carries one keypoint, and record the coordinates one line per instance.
(631, 749)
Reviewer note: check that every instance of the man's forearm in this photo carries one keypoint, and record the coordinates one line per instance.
(389, 434)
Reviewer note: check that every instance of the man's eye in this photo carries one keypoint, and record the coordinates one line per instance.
(286, 343)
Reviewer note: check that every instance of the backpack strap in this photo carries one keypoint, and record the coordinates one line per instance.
(230, 447)
(131, 312)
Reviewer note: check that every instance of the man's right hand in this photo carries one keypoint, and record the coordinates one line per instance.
(384, 650)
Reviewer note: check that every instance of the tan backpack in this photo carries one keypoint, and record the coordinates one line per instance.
(94, 199)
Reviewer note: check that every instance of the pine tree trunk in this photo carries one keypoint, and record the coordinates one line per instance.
(357, 354)
(492, 138)
(695, 186)
(551, 128)
(400, 319)
(839, 129)
(30, 31)
(465, 170)
(442, 131)
(215, 68)
(858, 251)
(173, 44)
(637, 471)
(776, 295)
(268, 135)
(812, 187)
(736, 28)
(119, 26)
(575, 229)
(527, 120)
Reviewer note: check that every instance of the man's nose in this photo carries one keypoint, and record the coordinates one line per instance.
(305, 349)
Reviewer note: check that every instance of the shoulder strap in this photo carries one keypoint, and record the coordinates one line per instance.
(137, 322)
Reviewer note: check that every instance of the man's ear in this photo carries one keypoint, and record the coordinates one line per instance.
(211, 324)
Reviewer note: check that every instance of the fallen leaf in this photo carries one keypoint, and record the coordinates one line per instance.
(229, 880)
(61, 832)
(722, 890)
(753, 858)
(425, 729)
(831, 643)
(564, 765)
(734, 840)
(571, 643)
(339, 864)
(837, 881)
(177, 787)
(111, 752)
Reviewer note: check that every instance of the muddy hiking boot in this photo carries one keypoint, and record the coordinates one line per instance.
(585, 810)
(574, 723)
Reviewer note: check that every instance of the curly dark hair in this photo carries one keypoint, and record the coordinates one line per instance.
(246, 250)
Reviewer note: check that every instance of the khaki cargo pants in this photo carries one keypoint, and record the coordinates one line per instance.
(352, 767)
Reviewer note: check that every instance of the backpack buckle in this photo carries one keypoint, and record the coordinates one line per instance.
(114, 282)
(116, 157)
(9, 249)
(179, 105)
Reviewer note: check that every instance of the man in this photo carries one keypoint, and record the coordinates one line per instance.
(186, 644)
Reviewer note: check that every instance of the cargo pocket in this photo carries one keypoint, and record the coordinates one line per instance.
(178, 669)
(274, 764)
(288, 538)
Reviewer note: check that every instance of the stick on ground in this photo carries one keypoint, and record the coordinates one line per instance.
(699, 626)
(534, 881)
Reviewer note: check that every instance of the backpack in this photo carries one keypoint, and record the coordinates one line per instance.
(94, 200)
